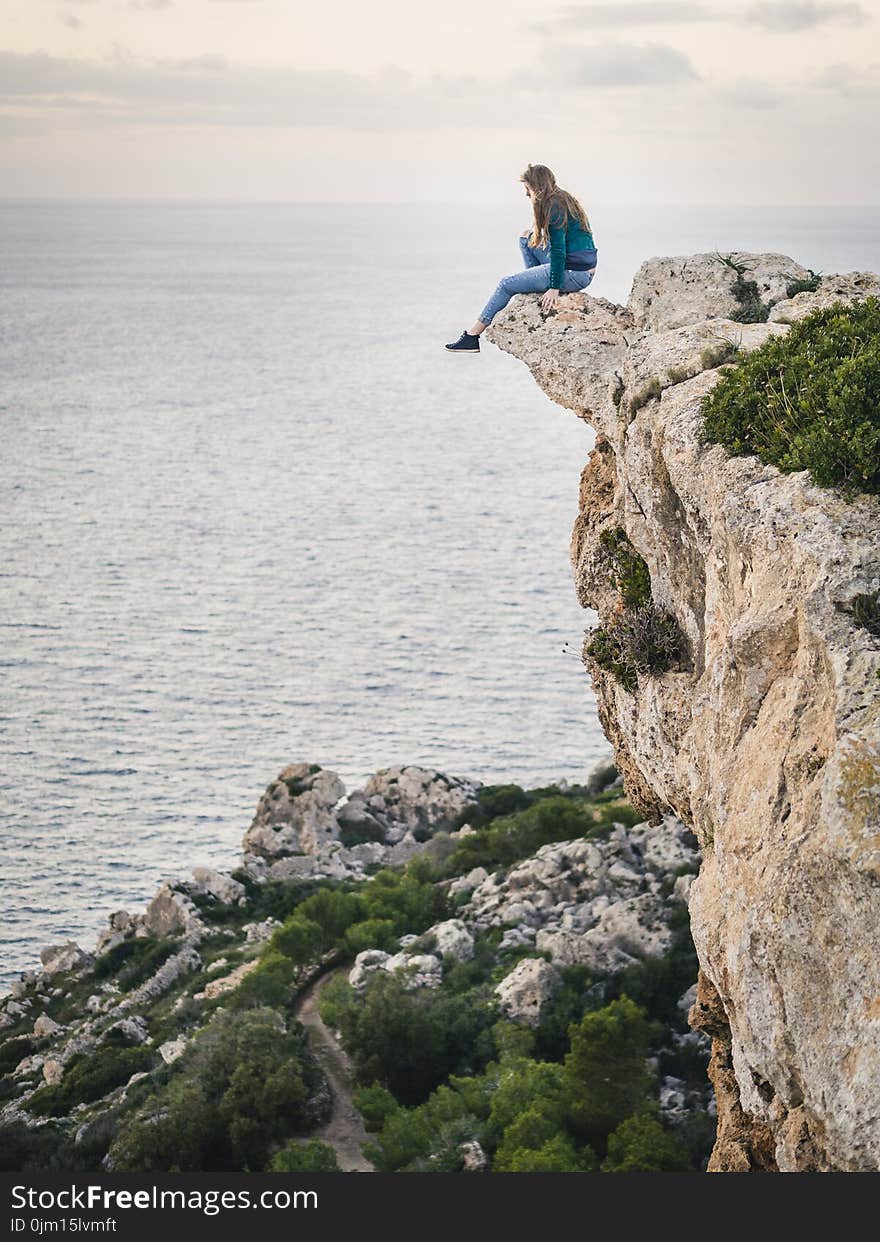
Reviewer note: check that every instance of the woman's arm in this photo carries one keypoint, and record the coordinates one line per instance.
(556, 229)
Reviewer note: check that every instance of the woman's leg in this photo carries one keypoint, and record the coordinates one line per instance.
(532, 280)
(533, 256)
(574, 282)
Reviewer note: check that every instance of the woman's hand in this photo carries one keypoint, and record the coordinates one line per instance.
(548, 301)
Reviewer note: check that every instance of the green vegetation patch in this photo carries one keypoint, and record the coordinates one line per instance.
(15, 1050)
(805, 284)
(593, 1107)
(751, 308)
(312, 1156)
(809, 400)
(89, 1078)
(410, 1041)
(865, 611)
(134, 961)
(507, 839)
(717, 355)
(641, 637)
(244, 1085)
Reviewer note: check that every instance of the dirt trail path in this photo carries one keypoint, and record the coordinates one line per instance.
(344, 1132)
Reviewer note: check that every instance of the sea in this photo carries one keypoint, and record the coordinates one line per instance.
(252, 513)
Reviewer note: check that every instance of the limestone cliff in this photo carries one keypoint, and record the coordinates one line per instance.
(764, 735)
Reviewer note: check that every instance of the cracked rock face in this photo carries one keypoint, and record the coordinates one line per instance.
(604, 904)
(766, 741)
(304, 813)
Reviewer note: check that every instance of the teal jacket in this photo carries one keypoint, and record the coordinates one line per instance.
(571, 246)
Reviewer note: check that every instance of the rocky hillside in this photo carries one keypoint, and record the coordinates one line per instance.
(446, 929)
(736, 669)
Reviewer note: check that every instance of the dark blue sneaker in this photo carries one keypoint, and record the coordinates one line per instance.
(466, 344)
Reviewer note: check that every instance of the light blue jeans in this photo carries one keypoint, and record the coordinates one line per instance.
(534, 279)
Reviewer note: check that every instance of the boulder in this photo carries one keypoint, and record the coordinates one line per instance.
(131, 1030)
(296, 814)
(452, 939)
(523, 993)
(172, 1049)
(45, 1027)
(218, 885)
(171, 913)
(63, 957)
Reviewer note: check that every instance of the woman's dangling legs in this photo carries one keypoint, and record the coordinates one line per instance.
(534, 279)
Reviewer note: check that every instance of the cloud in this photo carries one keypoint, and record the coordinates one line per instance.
(848, 80)
(585, 17)
(613, 65)
(749, 93)
(70, 20)
(790, 18)
(209, 90)
(781, 16)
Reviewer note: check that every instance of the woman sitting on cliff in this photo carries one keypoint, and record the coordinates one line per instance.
(558, 252)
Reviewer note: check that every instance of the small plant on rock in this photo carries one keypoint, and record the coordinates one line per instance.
(641, 637)
(805, 284)
(717, 355)
(651, 391)
(751, 307)
(865, 611)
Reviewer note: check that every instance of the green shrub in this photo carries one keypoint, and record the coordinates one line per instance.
(652, 391)
(865, 611)
(751, 308)
(27, 1149)
(275, 899)
(806, 284)
(375, 1104)
(492, 802)
(507, 840)
(370, 934)
(15, 1050)
(409, 1042)
(269, 984)
(641, 1145)
(716, 355)
(566, 1006)
(536, 1090)
(556, 1155)
(243, 1086)
(301, 939)
(409, 899)
(680, 375)
(88, 1078)
(640, 637)
(606, 1070)
(640, 640)
(809, 400)
(625, 567)
(428, 1138)
(134, 961)
(305, 1157)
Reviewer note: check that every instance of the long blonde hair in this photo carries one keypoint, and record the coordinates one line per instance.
(549, 200)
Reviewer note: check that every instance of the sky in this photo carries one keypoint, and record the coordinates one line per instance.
(671, 101)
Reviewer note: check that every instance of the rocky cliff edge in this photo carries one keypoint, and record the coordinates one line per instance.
(764, 735)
